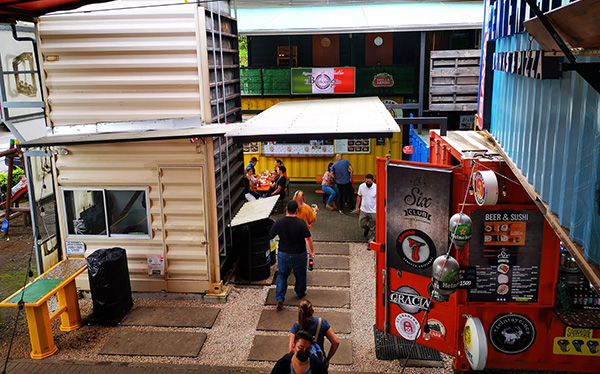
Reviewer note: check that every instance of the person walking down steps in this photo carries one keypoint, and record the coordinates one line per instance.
(300, 360)
(294, 238)
(319, 328)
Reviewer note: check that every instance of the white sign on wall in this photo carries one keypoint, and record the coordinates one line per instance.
(75, 248)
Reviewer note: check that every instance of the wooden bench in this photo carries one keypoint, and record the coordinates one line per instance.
(356, 180)
(319, 179)
(59, 281)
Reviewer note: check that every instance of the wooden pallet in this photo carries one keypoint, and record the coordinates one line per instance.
(454, 80)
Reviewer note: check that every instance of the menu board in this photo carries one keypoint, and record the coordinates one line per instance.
(251, 147)
(314, 148)
(506, 249)
(353, 146)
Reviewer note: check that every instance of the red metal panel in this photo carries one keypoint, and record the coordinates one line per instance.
(541, 313)
(27, 10)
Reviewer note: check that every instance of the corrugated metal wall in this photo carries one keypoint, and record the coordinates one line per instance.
(551, 130)
(137, 164)
(305, 169)
(183, 222)
(120, 65)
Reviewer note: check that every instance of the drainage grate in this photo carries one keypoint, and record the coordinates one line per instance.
(391, 347)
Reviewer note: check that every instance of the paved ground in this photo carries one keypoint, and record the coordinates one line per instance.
(331, 226)
(73, 367)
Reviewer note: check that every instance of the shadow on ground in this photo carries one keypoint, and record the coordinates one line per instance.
(331, 226)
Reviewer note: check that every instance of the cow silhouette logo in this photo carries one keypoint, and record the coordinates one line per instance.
(593, 346)
(416, 248)
(564, 345)
(578, 343)
(512, 333)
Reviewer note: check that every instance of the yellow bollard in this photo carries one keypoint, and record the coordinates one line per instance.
(40, 332)
(67, 297)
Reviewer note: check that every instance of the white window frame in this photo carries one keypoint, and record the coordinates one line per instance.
(108, 234)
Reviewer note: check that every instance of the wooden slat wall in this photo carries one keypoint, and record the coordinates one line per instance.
(326, 56)
(454, 80)
(379, 55)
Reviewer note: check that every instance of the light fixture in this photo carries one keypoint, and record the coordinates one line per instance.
(378, 41)
(426, 331)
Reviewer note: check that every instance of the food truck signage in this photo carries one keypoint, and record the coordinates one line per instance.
(486, 188)
(418, 205)
(306, 81)
(506, 249)
(383, 80)
(577, 341)
(531, 64)
(437, 330)
(407, 326)
(409, 300)
(475, 343)
(467, 277)
(511, 333)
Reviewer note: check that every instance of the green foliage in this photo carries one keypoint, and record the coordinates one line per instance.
(17, 172)
(243, 48)
(12, 276)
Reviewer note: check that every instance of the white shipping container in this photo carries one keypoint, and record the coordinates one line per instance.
(125, 61)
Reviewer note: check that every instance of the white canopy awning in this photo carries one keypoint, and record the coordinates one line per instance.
(401, 17)
(255, 210)
(358, 117)
(130, 131)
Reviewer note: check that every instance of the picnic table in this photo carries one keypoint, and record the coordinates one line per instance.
(263, 183)
(59, 280)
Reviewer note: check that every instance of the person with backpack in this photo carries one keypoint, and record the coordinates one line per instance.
(319, 328)
(300, 360)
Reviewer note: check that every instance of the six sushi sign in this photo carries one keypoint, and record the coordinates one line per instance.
(417, 218)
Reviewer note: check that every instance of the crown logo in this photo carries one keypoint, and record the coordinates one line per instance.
(503, 254)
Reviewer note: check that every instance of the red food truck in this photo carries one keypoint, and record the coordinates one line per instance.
(513, 299)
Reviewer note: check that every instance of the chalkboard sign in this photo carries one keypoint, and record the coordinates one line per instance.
(467, 277)
(506, 248)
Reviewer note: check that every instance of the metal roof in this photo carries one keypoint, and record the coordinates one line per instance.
(415, 16)
(254, 210)
(319, 119)
(136, 131)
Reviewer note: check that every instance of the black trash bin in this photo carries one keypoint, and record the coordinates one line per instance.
(255, 256)
(109, 284)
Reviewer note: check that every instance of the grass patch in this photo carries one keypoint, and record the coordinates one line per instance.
(12, 277)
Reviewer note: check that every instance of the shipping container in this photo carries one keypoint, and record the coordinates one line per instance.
(132, 88)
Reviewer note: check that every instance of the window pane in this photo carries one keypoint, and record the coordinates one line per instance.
(85, 212)
(127, 212)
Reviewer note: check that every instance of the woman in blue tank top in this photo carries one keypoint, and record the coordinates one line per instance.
(308, 322)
